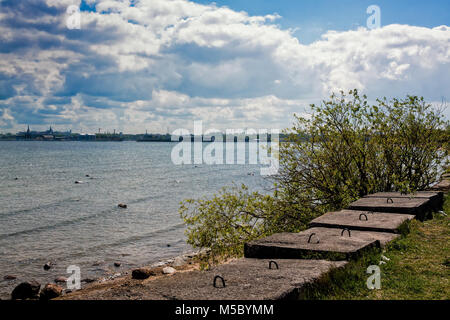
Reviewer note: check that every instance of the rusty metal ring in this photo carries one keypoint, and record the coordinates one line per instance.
(313, 234)
(273, 262)
(346, 229)
(363, 214)
(215, 280)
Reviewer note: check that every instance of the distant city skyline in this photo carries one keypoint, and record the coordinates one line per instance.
(159, 65)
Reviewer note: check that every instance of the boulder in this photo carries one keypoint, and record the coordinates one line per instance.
(61, 280)
(50, 291)
(179, 261)
(142, 273)
(169, 270)
(122, 205)
(9, 277)
(47, 266)
(26, 290)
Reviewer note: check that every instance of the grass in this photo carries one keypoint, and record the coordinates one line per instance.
(419, 267)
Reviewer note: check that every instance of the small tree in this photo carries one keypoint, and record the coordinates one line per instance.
(227, 220)
(411, 136)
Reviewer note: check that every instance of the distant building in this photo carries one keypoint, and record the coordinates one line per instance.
(48, 135)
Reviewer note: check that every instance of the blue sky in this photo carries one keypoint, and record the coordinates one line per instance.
(314, 17)
(157, 64)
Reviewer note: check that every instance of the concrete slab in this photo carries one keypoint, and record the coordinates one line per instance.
(325, 243)
(417, 206)
(356, 220)
(444, 186)
(436, 198)
(245, 279)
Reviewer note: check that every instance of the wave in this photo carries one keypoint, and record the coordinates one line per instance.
(39, 207)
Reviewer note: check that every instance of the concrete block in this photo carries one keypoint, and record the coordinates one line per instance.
(436, 198)
(356, 220)
(314, 243)
(245, 279)
(444, 186)
(419, 207)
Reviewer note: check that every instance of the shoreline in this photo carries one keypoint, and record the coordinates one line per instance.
(181, 263)
(123, 286)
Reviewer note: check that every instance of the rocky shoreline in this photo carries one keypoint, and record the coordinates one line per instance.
(128, 284)
(132, 284)
(34, 290)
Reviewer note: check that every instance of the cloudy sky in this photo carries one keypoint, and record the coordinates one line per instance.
(161, 64)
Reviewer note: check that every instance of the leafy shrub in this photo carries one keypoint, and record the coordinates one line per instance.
(347, 148)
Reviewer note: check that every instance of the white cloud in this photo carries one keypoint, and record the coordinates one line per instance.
(161, 63)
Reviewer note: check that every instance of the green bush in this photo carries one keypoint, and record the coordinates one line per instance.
(346, 149)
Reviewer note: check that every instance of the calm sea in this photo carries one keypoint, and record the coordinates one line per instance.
(45, 216)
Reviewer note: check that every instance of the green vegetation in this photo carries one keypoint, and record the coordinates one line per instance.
(345, 150)
(227, 220)
(419, 267)
(446, 139)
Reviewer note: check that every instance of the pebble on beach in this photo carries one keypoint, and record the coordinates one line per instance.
(169, 270)
(178, 262)
(117, 264)
(50, 291)
(142, 273)
(61, 279)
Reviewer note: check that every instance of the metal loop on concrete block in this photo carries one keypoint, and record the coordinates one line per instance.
(392, 201)
(215, 280)
(273, 262)
(346, 229)
(363, 214)
(310, 236)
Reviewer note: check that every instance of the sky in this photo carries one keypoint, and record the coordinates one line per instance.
(159, 65)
